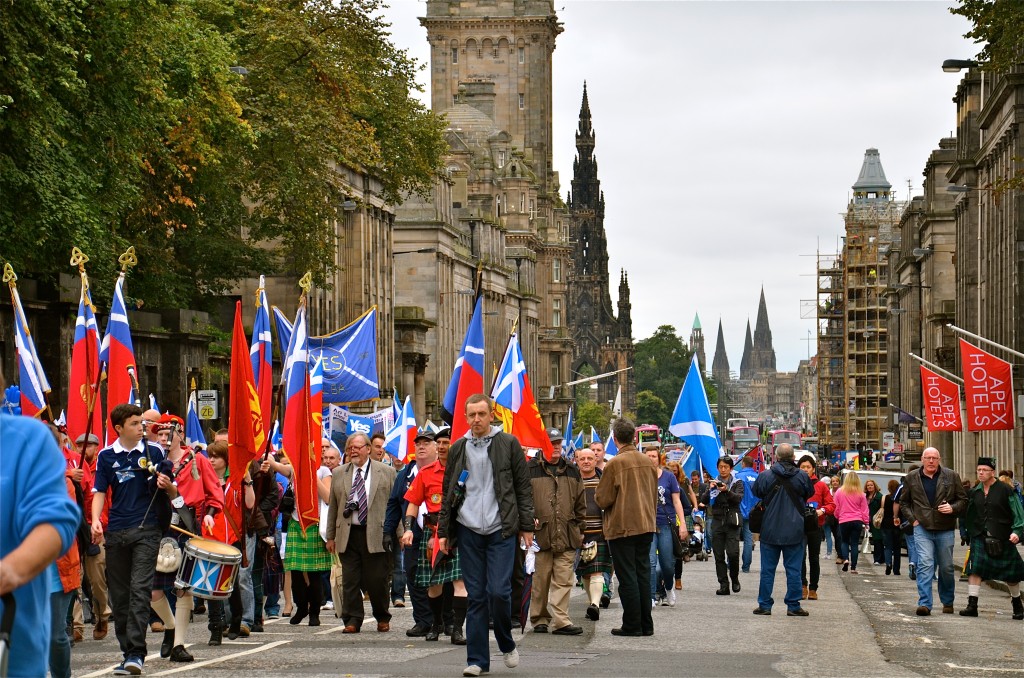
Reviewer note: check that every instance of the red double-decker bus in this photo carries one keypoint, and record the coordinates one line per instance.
(647, 434)
(741, 439)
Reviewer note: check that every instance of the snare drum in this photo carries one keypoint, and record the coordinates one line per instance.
(208, 568)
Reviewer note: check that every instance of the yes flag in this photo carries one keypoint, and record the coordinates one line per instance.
(85, 414)
(514, 402)
(468, 377)
(350, 360)
(988, 385)
(300, 431)
(246, 437)
(118, 355)
(941, 398)
(400, 440)
(692, 420)
(31, 379)
(261, 352)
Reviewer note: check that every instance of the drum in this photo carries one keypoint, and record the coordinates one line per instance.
(208, 568)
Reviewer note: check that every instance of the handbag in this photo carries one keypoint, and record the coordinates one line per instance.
(876, 520)
(993, 547)
(756, 517)
(677, 543)
(809, 513)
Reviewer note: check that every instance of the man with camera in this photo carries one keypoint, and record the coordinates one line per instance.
(722, 499)
(355, 530)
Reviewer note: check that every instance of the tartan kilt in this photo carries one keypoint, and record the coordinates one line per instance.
(602, 562)
(1009, 568)
(305, 552)
(427, 576)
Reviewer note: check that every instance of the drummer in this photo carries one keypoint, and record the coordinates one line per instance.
(426, 490)
(227, 529)
(199, 495)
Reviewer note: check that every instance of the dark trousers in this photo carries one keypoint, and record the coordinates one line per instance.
(725, 543)
(131, 562)
(812, 553)
(518, 580)
(259, 563)
(417, 594)
(631, 559)
(216, 611)
(486, 561)
(849, 541)
(307, 596)
(364, 571)
(891, 541)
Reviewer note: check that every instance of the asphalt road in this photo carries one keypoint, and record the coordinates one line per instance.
(862, 625)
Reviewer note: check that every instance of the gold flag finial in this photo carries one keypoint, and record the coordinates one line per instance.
(306, 282)
(128, 259)
(193, 383)
(9, 275)
(79, 258)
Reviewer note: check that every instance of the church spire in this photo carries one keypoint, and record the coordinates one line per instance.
(748, 349)
(762, 359)
(697, 344)
(720, 366)
(586, 188)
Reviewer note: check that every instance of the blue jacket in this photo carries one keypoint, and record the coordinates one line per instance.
(32, 493)
(748, 476)
(783, 521)
(397, 504)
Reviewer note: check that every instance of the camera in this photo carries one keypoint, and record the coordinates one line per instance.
(349, 508)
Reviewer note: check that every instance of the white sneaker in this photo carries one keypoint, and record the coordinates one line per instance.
(472, 670)
(654, 603)
(512, 658)
(672, 598)
(329, 605)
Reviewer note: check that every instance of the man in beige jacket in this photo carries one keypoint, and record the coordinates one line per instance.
(628, 494)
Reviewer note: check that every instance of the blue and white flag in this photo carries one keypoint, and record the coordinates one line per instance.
(152, 403)
(193, 427)
(692, 420)
(577, 442)
(284, 331)
(594, 437)
(350, 360)
(569, 445)
(610, 448)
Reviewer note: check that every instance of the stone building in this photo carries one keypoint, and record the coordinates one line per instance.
(697, 344)
(720, 363)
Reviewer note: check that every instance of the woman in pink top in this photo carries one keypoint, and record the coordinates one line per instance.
(852, 514)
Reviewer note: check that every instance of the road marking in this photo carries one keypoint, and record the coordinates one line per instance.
(333, 629)
(234, 655)
(982, 668)
(101, 672)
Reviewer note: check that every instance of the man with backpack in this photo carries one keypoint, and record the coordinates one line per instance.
(748, 475)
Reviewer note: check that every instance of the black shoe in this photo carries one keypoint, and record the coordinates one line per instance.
(300, 614)
(972, 607)
(763, 611)
(180, 654)
(257, 627)
(606, 600)
(888, 569)
(435, 632)
(846, 565)
(723, 590)
(736, 586)
(1018, 608)
(449, 629)
(570, 630)
(540, 628)
(200, 607)
(314, 619)
(234, 629)
(168, 644)
(913, 572)
(798, 612)
(216, 636)
(458, 637)
(593, 614)
(620, 632)
(418, 631)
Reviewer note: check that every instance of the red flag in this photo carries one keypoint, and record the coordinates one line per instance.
(85, 415)
(988, 384)
(757, 454)
(246, 438)
(941, 399)
(514, 403)
(300, 428)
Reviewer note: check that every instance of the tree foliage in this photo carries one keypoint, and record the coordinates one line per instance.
(588, 414)
(999, 28)
(650, 409)
(660, 364)
(121, 123)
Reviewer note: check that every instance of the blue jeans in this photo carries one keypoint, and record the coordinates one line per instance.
(398, 576)
(486, 561)
(748, 546)
(245, 583)
(849, 541)
(828, 540)
(911, 549)
(934, 553)
(663, 554)
(60, 644)
(792, 556)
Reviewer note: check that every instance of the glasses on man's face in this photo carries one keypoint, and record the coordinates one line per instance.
(356, 448)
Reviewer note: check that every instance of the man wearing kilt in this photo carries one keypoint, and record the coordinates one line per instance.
(592, 570)
(426, 491)
(995, 524)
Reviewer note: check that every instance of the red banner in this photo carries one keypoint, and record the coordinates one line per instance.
(988, 384)
(941, 399)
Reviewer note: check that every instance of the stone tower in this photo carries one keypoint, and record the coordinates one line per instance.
(603, 341)
(748, 349)
(720, 367)
(697, 344)
(762, 356)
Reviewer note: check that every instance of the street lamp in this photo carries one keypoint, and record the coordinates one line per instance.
(957, 65)
(922, 252)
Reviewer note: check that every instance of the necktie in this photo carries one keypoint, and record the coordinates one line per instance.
(360, 490)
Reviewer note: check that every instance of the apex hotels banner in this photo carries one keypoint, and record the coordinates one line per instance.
(941, 399)
(988, 384)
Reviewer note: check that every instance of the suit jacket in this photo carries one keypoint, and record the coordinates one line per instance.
(382, 479)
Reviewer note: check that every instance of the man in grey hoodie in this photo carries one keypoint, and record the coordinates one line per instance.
(485, 513)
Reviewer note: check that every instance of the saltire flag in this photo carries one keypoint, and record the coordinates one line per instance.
(692, 420)
(152, 403)
(905, 417)
(400, 440)
(31, 378)
(261, 352)
(577, 442)
(284, 333)
(617, 407)
(118, 356)
(429, 425)
(85, 413)
(569, 444)
(941, 399)
(246, 437)
(350, 360)
(468, 377)
(514, 403)
(594, 437)
(611, 448)
(193, 426)
(988, 387)
(396, 408)
(300, 436)
(691, 462)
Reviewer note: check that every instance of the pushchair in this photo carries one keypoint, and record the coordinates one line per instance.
(698, 546)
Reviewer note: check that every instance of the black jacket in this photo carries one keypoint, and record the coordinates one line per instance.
(914, 501)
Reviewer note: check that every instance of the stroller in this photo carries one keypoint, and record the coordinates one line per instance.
(698, 546)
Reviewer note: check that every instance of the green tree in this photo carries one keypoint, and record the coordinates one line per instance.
(593, 414)
(650, 409)
(999, 28)
(660, 365)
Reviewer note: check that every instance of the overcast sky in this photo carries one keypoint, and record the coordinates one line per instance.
(729, 135)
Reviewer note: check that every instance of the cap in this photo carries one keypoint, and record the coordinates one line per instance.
(168, 418)
(443, 432)
(554, 434)
(987, 461)
(423, 435)
(92, 439)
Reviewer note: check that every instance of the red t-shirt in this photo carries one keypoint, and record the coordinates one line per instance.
(199, 493)
(426, 487)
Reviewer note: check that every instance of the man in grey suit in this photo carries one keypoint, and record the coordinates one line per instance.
(355, 530)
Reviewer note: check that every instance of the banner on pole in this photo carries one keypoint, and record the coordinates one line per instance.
(988, 385)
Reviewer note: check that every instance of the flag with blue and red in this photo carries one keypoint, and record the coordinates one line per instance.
(514, 402)
(118, 356)
(468, 377)
(31, 379)
(83, 387)
(300, 446)
(261, 351)
(400, 440)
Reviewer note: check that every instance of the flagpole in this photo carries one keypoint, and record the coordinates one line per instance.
(935, 367)
(983, 339)
(130, 260)
(11, 278)
(79, 259)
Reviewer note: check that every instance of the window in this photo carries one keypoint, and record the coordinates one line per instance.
(494, 53)
(501, 159)
(455, 99)
(522, 101)
(522, 55)
(522, 201)
(556, 270)
(455, 55)
(556, 372)
(556, 312)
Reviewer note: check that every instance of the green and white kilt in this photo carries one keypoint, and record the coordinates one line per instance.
(602, 562)
(1008, 568)
(305, 552)
(426, 575)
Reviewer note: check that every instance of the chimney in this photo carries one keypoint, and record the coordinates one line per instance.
(480, 95)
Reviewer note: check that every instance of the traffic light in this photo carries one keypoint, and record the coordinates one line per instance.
(865, 458)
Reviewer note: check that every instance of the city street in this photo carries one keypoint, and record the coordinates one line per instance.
(863, 625)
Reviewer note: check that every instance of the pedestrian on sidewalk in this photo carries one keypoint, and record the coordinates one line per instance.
(670, 518)
(995, 524)
(723, 498)
(852, 514)
(824, 506)
(783, 489)
(748, 475)
(891, 530)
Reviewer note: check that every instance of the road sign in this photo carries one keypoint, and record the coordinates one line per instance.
(206, 404)
(898, 447)
(888, 440)
(914, 432)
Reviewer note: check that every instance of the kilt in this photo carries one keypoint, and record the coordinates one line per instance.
(602, 562)
(305, 552)
(427, 576)
(165, 580)
(1008, 568)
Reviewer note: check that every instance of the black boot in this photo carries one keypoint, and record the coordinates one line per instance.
(165, 647)
(235, 628)
(723, 590)
(437, 623)
(216, 635)
(972, 607)
(459, 605)
(180, 654)
(1018, 608)
(300, 598)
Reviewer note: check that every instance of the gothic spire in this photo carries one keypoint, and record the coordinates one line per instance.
(720, 365)
(763, 357)
(748, 349)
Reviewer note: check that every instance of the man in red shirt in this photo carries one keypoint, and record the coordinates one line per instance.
(95, 563)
